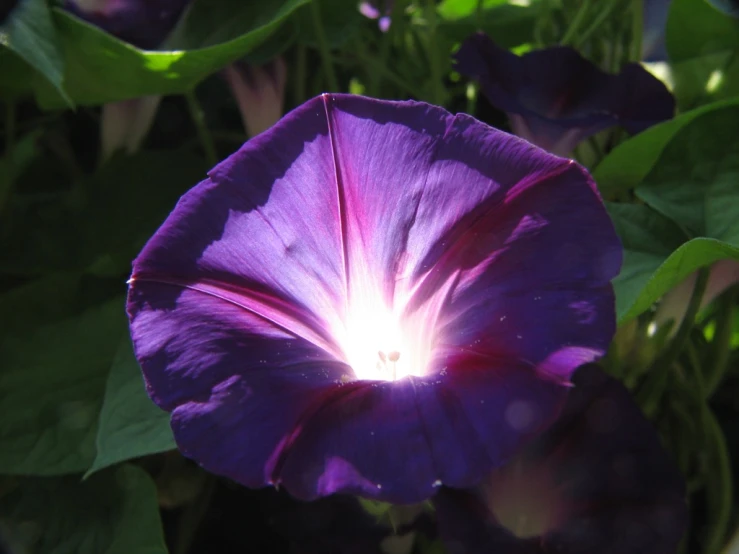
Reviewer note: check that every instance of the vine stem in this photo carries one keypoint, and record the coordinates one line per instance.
(637, 29)
(433, 56)
(651, 394)
(6, 185)
(328, 66)
(198, 118)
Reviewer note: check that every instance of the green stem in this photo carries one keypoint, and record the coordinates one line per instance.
(387, 73)
(722, 342)
(193, 515)
(300, 74)
(543, 19)
(576, 22)
(198, 118)
(6, 185)
(651, 395)
(433, 54)
(599, 19)
(637, 29)
(695, 368)
(723, 483)
(373, 86)
(328, 66)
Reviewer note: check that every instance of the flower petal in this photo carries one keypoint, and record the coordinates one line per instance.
(239, 304)
(597, 481)
(555, 98)
(143, 23)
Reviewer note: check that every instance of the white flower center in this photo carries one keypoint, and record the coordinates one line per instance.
(377, 348)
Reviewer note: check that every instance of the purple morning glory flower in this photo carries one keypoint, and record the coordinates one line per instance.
(555, 98)
(378, 9)
(373, 298)
(597, 481)
(143, 23)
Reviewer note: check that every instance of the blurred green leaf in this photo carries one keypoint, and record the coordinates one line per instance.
(29, 32)
(52, 380)
(129, 197)
(691, 193)
(706, 78)
(508, 25)
(114, 512)
(648, 239)
(694, 29)
(695, 181)
(628, 163)
(17, 77)
(208, 23)
(101, 68)
(703, 46)
(340, 18)
(130, 424)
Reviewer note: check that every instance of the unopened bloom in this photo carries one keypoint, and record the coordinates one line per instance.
(597, 481)
(674, 305)
(555, 98)
(259, 92)
(145, 24)
(373, 298)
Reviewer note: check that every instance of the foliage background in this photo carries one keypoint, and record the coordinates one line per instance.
(86, 460)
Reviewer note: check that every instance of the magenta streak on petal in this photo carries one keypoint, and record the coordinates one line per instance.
(323, 402)
(282, 314)
(340, 197)
(461, 239)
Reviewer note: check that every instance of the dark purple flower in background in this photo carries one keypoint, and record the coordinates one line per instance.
(597, 481)
(143, 23)
(374, 298)
(555, 98)
(378, 9)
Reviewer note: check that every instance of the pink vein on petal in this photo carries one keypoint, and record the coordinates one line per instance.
(283, 314)
(340, 193)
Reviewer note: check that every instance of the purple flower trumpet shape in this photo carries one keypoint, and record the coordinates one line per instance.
(373, 298)
(555, 98)
(597, 481)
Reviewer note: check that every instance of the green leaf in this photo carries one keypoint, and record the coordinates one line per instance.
(630, 162)
(114, 512)
(691, 194)
(17, 76)
(101, 68)
(341, 21)
(648, 240)
(52, 383)
(129, 198)
(703, 46)
(695, 181)
(29, 32)
(694, 29)
(130, 424)
(508, 25)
